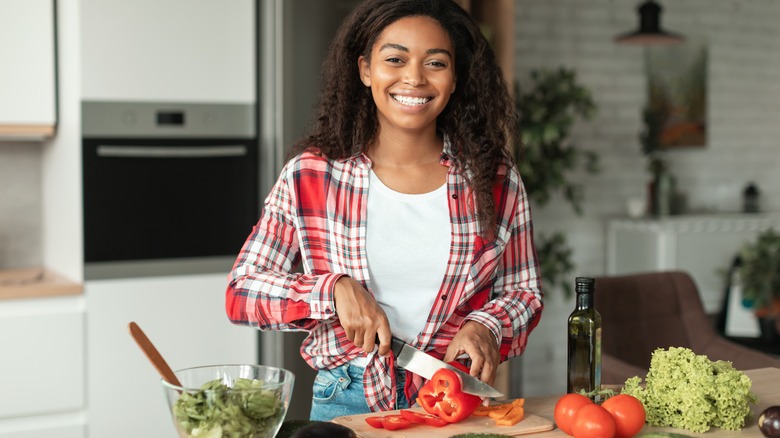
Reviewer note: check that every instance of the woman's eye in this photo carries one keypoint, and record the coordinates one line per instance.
(438, 64)
(394, 60)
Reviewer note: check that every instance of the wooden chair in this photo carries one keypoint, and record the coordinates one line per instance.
(646, 311)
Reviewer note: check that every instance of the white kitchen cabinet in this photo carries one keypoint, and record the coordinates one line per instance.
(28, 73)
(184, 316)
(168, 50)
(704, 246)
(46, 427)
(42, 368)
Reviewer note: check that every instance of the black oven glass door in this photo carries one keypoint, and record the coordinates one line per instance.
(170, 198)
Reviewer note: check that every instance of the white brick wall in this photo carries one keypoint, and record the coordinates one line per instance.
(743, 39)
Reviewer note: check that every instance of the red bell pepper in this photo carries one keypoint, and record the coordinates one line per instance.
(395, 422)
(375, 422)
(442, 396)
(423, 418)
(389, 422)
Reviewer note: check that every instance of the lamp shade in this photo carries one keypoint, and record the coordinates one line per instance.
(649, 32)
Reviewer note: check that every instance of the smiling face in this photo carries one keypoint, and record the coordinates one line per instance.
(411, 74)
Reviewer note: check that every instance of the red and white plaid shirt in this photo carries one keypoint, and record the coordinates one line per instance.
(316, 214)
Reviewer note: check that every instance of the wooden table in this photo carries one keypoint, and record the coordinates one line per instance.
(766, 385)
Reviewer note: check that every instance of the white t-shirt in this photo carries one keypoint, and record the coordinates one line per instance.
(408, 244)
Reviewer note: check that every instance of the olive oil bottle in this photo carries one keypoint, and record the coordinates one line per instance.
(584, 328)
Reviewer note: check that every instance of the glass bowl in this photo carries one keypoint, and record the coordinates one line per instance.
(229, 400)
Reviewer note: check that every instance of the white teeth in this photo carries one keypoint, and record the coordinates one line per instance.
(408, 100)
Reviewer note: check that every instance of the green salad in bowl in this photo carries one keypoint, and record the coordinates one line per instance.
(229, 401)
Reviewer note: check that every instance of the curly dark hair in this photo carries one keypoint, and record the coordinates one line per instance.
(479, 119)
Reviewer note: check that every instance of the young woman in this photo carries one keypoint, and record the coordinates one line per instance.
(405, 209)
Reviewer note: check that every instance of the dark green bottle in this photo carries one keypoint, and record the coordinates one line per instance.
(584, 357)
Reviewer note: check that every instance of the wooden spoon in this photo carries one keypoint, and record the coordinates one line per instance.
(153, 355)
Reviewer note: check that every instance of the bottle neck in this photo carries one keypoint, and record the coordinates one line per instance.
(584, 300)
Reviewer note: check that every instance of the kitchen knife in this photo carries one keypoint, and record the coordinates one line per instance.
(423, 364)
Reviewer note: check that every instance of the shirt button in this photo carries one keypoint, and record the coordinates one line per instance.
(327, 310)
(443, 297)
(454, 196)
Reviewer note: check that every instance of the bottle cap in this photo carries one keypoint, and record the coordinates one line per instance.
(584, 284)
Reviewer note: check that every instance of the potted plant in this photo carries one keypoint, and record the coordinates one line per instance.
(759, 273)
(547, 111)
(661, 184)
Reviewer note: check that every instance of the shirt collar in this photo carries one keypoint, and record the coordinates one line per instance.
(446, 158)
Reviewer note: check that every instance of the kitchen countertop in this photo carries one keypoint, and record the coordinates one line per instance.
(35, 282)
(766, 385)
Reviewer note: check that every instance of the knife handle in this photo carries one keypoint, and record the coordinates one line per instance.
(396, 345)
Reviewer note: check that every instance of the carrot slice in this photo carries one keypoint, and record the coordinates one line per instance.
(513, 417)
(501, 411)
(483, 411)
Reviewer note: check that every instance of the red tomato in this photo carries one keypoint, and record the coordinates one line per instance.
(593, 421)
(566, 407)
(628, 412)
(423, 418)
(395, 422)
(375, 422)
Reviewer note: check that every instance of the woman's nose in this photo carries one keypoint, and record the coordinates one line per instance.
(413, 76)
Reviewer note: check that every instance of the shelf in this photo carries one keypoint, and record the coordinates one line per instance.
(34, 283)
(702, 245)
(26, 132)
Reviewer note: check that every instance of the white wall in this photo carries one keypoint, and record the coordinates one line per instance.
(61, 161)
(743, 125)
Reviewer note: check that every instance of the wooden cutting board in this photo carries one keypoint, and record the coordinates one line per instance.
(474, 424)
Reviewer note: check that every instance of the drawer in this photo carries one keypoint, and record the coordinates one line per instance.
(69, 425)
(43, 356)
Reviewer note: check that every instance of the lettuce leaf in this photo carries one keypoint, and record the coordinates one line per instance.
(688, 391)
(217, 411)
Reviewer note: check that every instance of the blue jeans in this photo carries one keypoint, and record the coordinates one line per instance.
(339, 391)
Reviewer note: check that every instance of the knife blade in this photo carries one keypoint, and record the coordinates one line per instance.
(425, 365)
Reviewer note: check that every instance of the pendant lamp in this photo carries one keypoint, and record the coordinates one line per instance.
(649, 32)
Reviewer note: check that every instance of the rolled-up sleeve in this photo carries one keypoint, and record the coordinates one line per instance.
(262, 290)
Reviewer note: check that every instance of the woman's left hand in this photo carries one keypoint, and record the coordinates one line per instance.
(478, 342)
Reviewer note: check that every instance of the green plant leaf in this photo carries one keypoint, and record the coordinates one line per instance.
(547, 110)
(759, 270)
(555, 258)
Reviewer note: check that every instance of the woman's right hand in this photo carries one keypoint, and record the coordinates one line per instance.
(361, 316)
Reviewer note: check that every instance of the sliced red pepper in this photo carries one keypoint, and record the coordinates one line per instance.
(442, 396)
(423, 418)
(395, 422)
(375, 422)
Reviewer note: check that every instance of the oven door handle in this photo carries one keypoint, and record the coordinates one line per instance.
(128, 151)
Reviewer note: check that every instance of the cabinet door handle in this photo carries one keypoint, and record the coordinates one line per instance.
(113, 151)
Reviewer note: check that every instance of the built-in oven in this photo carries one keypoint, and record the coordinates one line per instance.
(168, 188)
